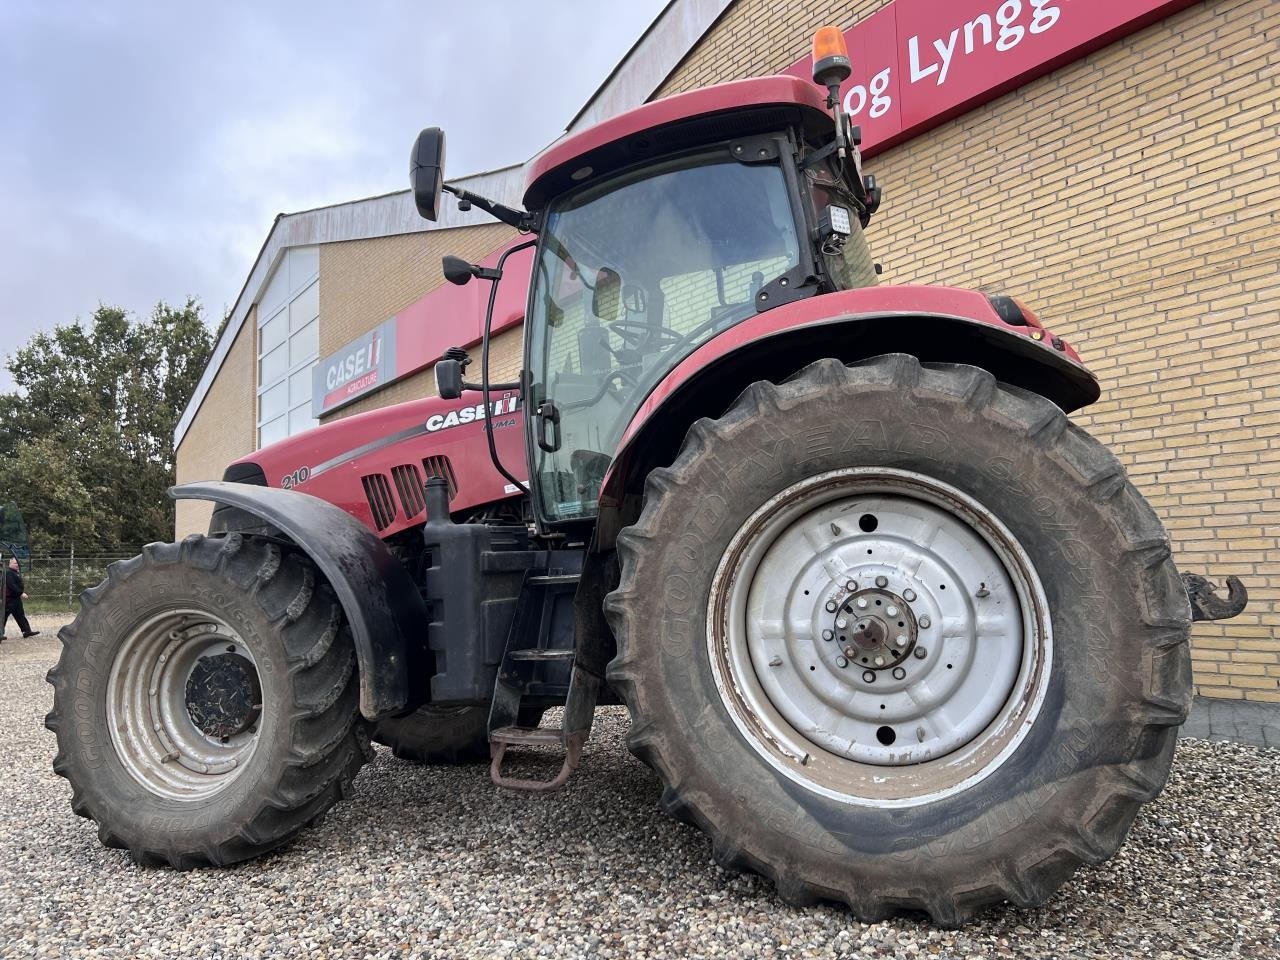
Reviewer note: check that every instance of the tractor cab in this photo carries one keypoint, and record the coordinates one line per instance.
(657, 231)
(640, 264)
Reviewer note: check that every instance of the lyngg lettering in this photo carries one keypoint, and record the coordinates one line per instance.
(1004, 28)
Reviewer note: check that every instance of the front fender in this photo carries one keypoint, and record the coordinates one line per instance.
(934, 324)
(387, 616)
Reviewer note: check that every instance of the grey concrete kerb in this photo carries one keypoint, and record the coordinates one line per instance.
(1238, 720)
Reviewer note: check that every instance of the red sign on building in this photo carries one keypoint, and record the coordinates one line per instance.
(917, 63)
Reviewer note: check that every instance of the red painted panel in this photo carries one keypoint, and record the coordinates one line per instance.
(917, 63)
(695, 103)
(965, 305)
(329, 461)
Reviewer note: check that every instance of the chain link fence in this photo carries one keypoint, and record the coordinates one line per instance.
(53, 581)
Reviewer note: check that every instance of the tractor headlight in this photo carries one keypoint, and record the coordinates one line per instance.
(834, 227)
(836, 220)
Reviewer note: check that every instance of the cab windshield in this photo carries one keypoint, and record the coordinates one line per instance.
(631, 276)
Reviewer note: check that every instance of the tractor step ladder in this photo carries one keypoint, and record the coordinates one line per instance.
(538, 656)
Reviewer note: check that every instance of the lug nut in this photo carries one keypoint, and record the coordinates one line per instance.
(850, 653)
(831, 606)
(879, 661)
(908, 595)
(899, 673)
(827, 635)
(921, 653)
(862, 603)
(851, 585)
(841, 662)
(841, 622)
(882, 582)
(925, 622)
(869, 676)
(891, 610)
(900, 641)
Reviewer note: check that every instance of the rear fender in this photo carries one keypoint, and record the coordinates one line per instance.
(934, 324)
(386, 614)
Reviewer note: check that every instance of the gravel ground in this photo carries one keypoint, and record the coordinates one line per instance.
(437, 862)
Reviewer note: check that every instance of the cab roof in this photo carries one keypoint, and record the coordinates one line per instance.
(720, 112)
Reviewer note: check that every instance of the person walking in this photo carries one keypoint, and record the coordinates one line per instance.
(13, 596)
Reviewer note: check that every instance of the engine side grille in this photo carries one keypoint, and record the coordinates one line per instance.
(441, 467)
(408, 483)
(378, 492)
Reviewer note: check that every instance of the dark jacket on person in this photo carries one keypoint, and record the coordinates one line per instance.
(13, 588)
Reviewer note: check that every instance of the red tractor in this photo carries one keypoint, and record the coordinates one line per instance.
(891, 629)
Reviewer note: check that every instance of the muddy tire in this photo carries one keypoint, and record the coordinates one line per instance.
(206, 702)
(443, 734)
(1016, 558)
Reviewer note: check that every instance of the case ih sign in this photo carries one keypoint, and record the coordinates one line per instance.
(363, 365)
(917, 63)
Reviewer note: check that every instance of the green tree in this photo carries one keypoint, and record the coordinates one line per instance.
(86, 440)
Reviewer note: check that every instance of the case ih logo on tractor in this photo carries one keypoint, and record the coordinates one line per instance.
(891, 629)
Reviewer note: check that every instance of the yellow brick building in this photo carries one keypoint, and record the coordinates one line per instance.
(1131, 196)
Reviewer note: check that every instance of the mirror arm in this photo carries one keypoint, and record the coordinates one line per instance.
(485, 385)
(520, 219)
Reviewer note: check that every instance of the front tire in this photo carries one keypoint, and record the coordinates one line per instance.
(870, 761)
(206, 702)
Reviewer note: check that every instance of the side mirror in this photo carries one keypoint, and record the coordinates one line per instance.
(426, 171)
(449, 379)
(457, 270)
(606, 296)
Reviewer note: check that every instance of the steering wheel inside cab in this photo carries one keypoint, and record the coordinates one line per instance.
(614, 302)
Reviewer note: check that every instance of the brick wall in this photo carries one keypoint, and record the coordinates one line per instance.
(1133, 202)
(223, 429)
(363, 282)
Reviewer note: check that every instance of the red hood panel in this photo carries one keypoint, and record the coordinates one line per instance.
(341, 461)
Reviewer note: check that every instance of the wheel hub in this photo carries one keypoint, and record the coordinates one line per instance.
(222, 694)
(875, 629)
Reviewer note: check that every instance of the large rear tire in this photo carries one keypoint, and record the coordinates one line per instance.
(206, 702)
(1000, 727)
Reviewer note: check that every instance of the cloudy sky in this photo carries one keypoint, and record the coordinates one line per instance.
(145, 147)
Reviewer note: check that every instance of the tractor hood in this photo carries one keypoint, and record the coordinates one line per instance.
(374, 465)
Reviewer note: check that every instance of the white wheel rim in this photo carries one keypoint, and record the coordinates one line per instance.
(157, 737)
(857, 703)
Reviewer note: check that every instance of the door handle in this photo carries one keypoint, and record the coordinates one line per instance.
(548, 427)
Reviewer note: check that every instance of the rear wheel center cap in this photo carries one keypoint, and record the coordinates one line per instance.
(876, 628)
(222, 694)
(869, 634)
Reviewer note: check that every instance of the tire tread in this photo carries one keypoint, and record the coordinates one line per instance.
(328, 740)
(1102, 479)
